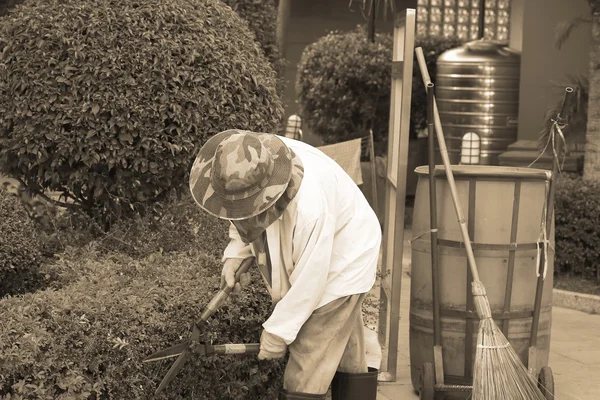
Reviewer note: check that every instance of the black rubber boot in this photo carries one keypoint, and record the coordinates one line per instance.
(285, 395)
(363, 386)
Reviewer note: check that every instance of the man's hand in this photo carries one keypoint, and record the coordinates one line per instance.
(271, 346)
(230, 266)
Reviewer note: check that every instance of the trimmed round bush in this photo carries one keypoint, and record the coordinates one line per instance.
(108, 102)
(88, 340)
(261, 16)
(577, 232)
(6, 5)
(20, 254)
(344, 85)
(181, 227)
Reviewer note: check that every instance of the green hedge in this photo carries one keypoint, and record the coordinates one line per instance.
(577, 232)
(181, 226)
(20, 248)
(87, 340)
(261, 16)
(115, 298)
(344, 85)
(109, 102)
(6, 5)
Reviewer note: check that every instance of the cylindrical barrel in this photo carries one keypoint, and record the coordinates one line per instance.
(477, 90)
(504, 209)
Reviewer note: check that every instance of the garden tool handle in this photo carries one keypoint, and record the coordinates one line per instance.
(234, 348)
(446, 161)
(224, 293)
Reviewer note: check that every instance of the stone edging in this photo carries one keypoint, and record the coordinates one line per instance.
(577, 301)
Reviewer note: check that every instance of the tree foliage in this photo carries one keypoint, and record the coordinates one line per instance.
(108, 101)
(344, 85)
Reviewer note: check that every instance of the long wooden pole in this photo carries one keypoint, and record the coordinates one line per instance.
(481, 20)
(435, 270)
(433, 220)
(450, 176)
(283, 17)
(371, 25)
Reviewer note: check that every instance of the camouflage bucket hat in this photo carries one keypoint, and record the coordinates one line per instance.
(239, 174)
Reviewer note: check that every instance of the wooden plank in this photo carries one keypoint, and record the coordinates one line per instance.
(405, 38)
(511, 255)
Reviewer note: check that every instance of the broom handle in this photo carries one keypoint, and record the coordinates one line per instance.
(444, 152)
(437, 324)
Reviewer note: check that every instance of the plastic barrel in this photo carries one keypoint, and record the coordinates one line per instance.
(477, 90)
(504, 208)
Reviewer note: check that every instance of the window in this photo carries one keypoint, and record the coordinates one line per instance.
(461, 18)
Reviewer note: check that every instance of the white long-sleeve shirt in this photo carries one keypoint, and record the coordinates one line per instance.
(324, 246)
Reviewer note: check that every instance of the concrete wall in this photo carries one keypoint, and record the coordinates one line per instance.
(313, 19)
(542, 65)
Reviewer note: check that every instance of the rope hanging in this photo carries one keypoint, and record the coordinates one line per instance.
(556, 129)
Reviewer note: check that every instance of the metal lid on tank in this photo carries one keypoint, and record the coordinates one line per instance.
(481, 51)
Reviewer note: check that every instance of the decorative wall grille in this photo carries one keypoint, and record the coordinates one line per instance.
(461, 18)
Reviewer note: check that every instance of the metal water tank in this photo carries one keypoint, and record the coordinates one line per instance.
(477, 90)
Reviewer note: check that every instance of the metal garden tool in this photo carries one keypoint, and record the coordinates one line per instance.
(195, 344)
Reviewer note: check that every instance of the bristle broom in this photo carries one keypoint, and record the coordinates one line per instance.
(499, 373)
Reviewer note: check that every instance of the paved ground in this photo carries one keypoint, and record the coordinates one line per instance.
(574, 351)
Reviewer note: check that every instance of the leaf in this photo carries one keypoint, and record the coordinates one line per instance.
(565, 28)
(95, 109)
(125, 137)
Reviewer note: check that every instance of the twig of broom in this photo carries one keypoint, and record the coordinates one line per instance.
(499, 373)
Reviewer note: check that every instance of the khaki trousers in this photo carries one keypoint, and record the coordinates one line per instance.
(331, 340)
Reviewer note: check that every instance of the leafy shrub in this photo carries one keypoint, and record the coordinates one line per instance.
(433, 47)
(20, 254)
(87, 340)
(344, 84)
(577, 232)
(261, 16)
(109, 102)
(181, 226)
(6, 5)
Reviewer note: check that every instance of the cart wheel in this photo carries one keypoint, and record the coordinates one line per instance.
(546, 383)
(427, 382)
